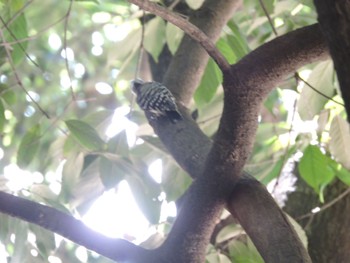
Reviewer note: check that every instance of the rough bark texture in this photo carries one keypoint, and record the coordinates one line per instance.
(334, 18)
(328, 238)
(252, 78)
(217, 166)
(266, 213)
(187, 66)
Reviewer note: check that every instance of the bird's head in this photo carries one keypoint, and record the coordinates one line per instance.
(136, 85)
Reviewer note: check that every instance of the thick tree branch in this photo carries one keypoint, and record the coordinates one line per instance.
(186, 140)
(187, 66)
(246, 87)
(278, 58)
(334, 18)
(194, 32)
(69, 227)
(265, 223)
(248, 83)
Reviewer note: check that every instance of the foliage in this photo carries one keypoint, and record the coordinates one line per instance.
(83, 86)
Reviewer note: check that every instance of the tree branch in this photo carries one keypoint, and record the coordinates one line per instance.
(251, 79)
(188, 64)
(69, 227)
(249, 82)
(334, 17)
(278, 58)
(265, 223)
(194, 32)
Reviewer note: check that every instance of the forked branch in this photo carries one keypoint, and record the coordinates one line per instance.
(190, 29)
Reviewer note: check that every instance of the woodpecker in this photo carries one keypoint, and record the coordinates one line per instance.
(155, 98)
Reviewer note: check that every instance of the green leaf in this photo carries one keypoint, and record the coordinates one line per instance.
(310, 102)
(340, 141)
(94, 1)
(21, 234)
(45, 240)
(276, 170)
(146, 201)
(2, 117)
(155, 142)
(111, 173)
(226, 50)
(70, 145)
(237, 41)
(211, 80)
(174, 181)
(268, 130)
(29, 146)
(242, 252)
(42, 192)
(127, 69)
(101, 119)
(119, 144)
(314, 168)
(342, 173)
(155, 37)
(5, 230)
(173, 37)
(17, 30)
(153, 241)
(228, 232)
(322, 121)
(270, 171)
(71, 173)
(217, 258)
(86, 135)
(268, 5)
(300, 231)
(15, 5)
(146, 192)
(7, 94)
(194, 4)
(127, 46)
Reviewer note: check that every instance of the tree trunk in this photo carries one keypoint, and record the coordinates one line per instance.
(327, 231)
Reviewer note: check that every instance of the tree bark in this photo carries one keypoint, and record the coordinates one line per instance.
(334, 18)
(328, 238)
(217, 166)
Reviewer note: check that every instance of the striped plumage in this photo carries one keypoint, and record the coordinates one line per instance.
(155, 98)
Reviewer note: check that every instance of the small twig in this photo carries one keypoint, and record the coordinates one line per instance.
(65, 47)
(8, 54)
(326, 206)
(59, 116)
(190, 29)
(173, 4)
(139, 60)
(17, 43)
(32, 37)
(297, 76)
(141, 48)
(209, 119)
(287, 148)
(262, 4)
(53, 123)
(19, 12)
